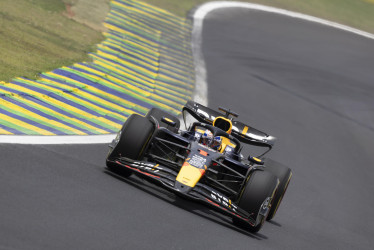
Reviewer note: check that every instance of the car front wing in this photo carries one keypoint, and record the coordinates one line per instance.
(201, 192)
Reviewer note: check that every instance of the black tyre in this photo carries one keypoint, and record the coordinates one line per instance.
(158, 114)
(284, 175)
(133, 139)
(259, 188)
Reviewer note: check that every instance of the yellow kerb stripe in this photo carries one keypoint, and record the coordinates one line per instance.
(52, 123)
(100, 92)
(64, 105)
(25, 125)
(4, 132)
(87, 104)
(94, 99)
(50, 111)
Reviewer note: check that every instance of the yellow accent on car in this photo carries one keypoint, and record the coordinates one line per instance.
(281, 198)
(201, 131)
(256, 159)
(245, 129)
(225, 119)
(225, 142)
(154, 168)
(168, 120)
(190, 175)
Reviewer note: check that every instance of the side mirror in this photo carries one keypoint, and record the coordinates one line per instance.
(255, 160)
(168, 121)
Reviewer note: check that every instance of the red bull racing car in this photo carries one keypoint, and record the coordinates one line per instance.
(203, 162)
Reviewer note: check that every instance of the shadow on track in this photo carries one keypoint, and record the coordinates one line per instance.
(275, 223)
(187, 205)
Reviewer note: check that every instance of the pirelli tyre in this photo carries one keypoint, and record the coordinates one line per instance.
(284, 175)
(158, 114)
(131, 142)
(256, 198)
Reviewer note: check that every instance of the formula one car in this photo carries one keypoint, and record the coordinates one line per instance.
(203, 162)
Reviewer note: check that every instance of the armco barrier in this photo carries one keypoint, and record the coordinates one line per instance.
(144, 61)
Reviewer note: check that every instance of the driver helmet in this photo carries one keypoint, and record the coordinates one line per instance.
(207, 137)
(216, 144)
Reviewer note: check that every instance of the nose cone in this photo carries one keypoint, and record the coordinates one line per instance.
(189, 175)
(183, 188)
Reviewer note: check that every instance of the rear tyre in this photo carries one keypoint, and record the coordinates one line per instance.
(158, 114)
(133, 139)
(284, 175)
(259, 188)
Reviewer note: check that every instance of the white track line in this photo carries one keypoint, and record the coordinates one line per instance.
(57, 139)
(201, 89)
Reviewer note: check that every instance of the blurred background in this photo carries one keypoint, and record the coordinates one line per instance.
(41, 35)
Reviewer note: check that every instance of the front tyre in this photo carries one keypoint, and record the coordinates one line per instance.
(284, 175)
(131, 142)
(256, 198)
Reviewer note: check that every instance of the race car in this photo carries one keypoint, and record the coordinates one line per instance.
(204, 162)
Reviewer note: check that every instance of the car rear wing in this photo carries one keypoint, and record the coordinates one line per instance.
(244, 133)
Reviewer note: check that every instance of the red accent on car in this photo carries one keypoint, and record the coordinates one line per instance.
(204, 153)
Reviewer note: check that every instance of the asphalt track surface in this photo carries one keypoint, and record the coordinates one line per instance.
(309, 85)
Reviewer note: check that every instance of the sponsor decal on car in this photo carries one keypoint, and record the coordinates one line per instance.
(223, 201)
(146, 166)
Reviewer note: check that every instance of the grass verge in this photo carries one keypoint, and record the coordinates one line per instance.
(36, 36)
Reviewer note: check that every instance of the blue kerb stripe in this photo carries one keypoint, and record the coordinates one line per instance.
(152, 46)
(12, 130)
(66, 101)
(62, 112)
(122, 65)
(168, 32)
(101, 87)
(121, 38)
(149, 97)
(147, 21)
(106, 116)
(131, 51)
(163, 25)
(172, 66)
(104, 88)
(145, 9)
(123, 78)
(153, 88)
(130, 59)
(134, 32)
(45, 115)
(135, 28)
(133, 62)
(154, 23)
(177, 56)
(172, 76)
(28, 121)
(130, 108)
(132, 71)
(114, 75)
(66, 113)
